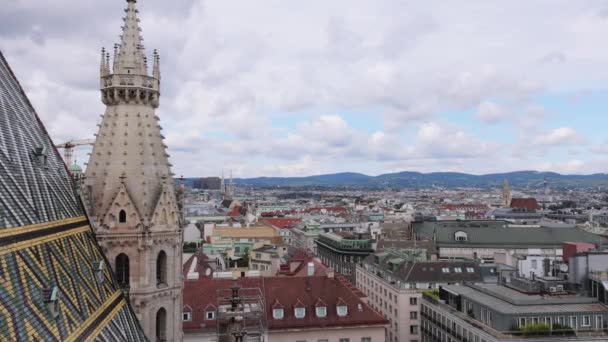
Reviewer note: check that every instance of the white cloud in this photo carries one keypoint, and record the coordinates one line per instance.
(559, 136)
(490, 112)
(228, 67)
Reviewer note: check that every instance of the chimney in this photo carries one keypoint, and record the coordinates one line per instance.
(311, 269)
(330, 273)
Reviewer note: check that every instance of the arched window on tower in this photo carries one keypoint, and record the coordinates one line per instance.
(161, 325)
(161, 269)
(122, 269)
(122, 216)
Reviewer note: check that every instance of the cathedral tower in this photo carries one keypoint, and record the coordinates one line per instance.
(506, 195)
(129, 188)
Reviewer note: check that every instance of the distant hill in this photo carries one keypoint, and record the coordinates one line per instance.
(408, 179)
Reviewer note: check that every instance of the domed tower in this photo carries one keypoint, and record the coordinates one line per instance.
(128, 187)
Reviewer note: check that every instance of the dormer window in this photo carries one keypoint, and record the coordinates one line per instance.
(51, 296)
(299, 312)
(460, 236)
(342, 310)
(277, 313)
(98, 268)
(321, 311)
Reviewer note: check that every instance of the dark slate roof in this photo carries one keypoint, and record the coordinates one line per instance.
(52, 287)
(31, 190)
(427, 271)
(499, 234)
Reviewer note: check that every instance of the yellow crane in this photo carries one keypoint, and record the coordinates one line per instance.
(68, 148)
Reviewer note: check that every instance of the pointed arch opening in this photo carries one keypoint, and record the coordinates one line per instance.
(161, 269)
(122, 216)
(121, 268)
(161, 325)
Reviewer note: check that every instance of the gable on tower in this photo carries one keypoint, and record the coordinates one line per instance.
(122, 214)
(166, 209)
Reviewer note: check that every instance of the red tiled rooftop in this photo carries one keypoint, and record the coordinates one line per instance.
(525, 203)
(282, 222)
(308, 290)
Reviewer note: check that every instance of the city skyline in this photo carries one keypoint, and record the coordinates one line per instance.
(293, 90)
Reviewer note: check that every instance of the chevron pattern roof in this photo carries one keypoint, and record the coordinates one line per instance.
(55, 283)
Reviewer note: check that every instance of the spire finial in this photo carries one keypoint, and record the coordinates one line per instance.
(130, 56)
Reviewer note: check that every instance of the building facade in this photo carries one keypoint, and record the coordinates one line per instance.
(129, 190)
(496, 313)
(343, 251)
(394, 287)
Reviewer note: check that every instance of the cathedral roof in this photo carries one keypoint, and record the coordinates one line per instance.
(56, 283)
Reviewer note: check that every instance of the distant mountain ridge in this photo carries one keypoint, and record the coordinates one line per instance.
(410, 179)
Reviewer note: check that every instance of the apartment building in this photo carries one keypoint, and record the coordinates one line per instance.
(342, 251)
(498, 313)
(394, 286)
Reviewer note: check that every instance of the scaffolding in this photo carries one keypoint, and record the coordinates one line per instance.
(240, 314)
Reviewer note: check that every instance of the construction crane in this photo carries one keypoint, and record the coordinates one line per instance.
(68, 148)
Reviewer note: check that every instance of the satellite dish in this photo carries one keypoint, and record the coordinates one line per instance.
(563, 268)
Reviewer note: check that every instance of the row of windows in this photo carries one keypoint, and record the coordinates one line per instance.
(573, 322)
(187, 316)
(300, 312)
(342, 339)
(431, 329)
(122, 269)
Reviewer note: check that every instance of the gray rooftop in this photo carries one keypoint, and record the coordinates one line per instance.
(499, 234)
(509, 301)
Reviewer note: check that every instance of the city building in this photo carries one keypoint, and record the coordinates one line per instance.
(129, 189)
(237, 242)
(481, 239)
(55, 281)
(493, 313)
(394, 286)
(342, 251)
(303, 308)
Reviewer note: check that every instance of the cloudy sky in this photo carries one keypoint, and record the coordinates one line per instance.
(277, 87)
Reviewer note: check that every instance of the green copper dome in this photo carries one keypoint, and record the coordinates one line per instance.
(75, 168)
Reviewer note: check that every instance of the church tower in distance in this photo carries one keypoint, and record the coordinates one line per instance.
(129, 187)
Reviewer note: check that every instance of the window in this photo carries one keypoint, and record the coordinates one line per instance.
(470, 269)
(521, 321)
(277, 313)
(445, 270)
(344, 340)
(321, 311)
(586, 321)
(413, 301)
(413, 314)
(413, 329)
(161, 325)
(366, 339)
(342, 310)
(534, 264)
(209, 315)
(161, 268)
(122, 269)
(572, 322)
(300, 312)
(258, 255)
(186, 316)
(122, 216)
(457, 269)
(460, 236)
